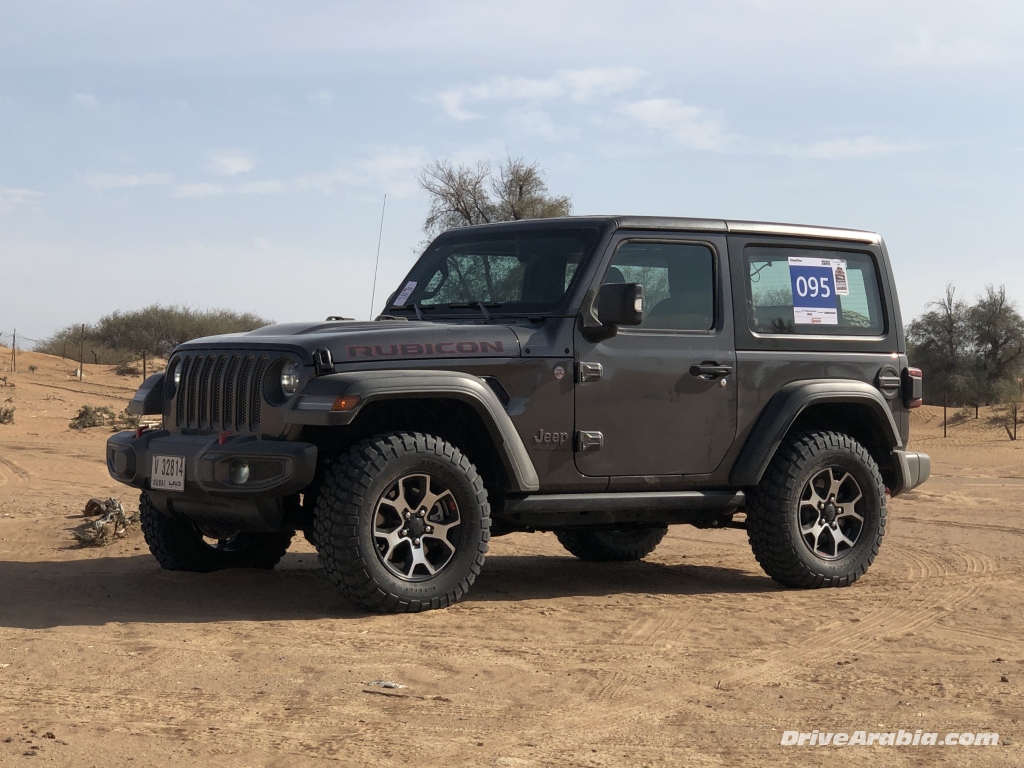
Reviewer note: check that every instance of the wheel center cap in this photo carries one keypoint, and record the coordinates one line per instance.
(828, 514)
(416, 526)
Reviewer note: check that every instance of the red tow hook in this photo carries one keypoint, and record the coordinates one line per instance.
(223, 438)
(140, 429)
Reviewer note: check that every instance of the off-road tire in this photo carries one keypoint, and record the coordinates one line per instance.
(608, 545)
(345, 522)
(179, 545)
(773, 511)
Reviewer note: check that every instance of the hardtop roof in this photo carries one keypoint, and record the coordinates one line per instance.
(688, 224)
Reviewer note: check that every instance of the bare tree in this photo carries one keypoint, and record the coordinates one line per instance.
(998, 334)
(462, 195)
(940, 343)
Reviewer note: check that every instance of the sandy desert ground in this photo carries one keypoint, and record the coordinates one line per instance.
(692, 657)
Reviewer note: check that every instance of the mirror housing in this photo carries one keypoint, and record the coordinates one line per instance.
(620, 304)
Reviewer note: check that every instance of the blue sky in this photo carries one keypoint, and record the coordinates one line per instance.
(230, 154)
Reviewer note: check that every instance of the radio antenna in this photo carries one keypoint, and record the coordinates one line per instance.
(373, 293)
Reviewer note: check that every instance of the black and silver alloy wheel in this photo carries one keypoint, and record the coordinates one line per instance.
(817, 518)
(416, 527)
(402, 523)
(829, 521)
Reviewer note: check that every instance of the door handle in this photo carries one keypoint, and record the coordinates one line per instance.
(710, 370)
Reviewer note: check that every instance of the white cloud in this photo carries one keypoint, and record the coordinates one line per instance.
(577, 85)
(87, 100)
(230, 163)
(126, 180)
(324, 98)
(204, 189)
(11, 197)
(693, 127)
(925, 49)
(857, 148)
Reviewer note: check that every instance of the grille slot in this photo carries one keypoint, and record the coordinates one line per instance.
(221, 392)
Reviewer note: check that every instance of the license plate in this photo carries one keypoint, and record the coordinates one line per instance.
(168, 473)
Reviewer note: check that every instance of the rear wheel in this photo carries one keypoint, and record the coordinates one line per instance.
(818, 516)
(402, 523)
(612, 544)
(179, 545)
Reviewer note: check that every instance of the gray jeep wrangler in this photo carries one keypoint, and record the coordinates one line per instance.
(598, 377)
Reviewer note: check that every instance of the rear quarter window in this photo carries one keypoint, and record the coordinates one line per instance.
(805, 291)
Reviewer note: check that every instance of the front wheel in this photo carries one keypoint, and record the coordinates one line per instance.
(179, 545)
(817, 518)
(402, 523)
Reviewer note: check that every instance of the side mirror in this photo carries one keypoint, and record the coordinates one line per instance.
(620, 304)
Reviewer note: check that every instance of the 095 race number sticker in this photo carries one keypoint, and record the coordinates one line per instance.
(816, 283)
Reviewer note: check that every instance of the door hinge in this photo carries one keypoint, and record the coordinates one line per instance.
(589, 441)
(588, 372)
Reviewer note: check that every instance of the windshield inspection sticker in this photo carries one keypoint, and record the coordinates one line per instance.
(816, 283)
(405, 294)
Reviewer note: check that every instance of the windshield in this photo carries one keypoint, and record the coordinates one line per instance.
(512, 272)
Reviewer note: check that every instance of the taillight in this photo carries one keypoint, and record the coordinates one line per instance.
(913, 387)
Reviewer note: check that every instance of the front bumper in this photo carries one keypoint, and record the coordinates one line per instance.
(914, 469)
(278, 471)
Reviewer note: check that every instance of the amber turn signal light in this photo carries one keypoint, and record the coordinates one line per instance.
(345, 403)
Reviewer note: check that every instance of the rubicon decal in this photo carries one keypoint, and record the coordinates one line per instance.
(440, 349)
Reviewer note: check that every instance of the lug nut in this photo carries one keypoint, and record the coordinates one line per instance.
(407, 515)
(415, 542)
(423, 513)
(405, 532)
(429, 529)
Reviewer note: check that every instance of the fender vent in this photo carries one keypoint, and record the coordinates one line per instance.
(498, 390)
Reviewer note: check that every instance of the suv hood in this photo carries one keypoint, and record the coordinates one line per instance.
(353, 341)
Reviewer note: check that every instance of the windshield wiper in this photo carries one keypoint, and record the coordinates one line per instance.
(481, 305)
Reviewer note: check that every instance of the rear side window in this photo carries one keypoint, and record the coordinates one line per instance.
(812, 292)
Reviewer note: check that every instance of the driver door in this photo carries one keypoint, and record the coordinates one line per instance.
(659, 398)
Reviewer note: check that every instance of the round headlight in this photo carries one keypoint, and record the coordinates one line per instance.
(289, 378)
(177, 374)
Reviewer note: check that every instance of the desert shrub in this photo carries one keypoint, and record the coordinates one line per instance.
(128, 368)
(121, 337)
(103, 416)
(6, 414)
(32, 369)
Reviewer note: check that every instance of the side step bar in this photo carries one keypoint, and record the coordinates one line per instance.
(547, 510)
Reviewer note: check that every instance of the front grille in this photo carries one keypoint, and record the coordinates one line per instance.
(220, 392)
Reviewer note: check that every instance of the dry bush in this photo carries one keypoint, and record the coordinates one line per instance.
(121, 337)
(112, 523)
(103, 416)
(7, 414)
(128, 368)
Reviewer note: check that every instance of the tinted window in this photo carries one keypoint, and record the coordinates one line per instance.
(522, 272)
(678, 281)
(816, 292)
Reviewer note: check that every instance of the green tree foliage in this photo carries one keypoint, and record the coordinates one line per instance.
(462, 195)
(156, 330)
(970, 353)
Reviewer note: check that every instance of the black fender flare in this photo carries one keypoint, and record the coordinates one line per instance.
(149, 398)
(786, 406)
(315, 403)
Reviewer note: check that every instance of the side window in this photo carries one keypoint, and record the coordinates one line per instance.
(678, 281)
(809, 291)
